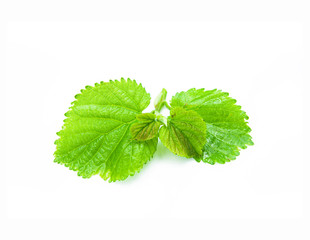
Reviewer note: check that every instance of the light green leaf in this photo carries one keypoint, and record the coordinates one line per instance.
(146, 128)
(227, 128)
(185, 133)
(95, 138)
(160, 100)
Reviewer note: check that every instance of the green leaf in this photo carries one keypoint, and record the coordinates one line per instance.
(227, 128)
(146, 128)
(95, 137)
(185, 133)
(160, 100)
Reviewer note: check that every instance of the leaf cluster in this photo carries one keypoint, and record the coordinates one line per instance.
(107, 133)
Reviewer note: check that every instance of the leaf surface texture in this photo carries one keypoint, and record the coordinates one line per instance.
(185, 133)
(145, 128)
(227, 128)
(96, 138)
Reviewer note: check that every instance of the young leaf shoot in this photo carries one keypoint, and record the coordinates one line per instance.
(107, 133)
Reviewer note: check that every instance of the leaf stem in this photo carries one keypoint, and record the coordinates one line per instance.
(162, 119)
(167, 105)
(159, 103)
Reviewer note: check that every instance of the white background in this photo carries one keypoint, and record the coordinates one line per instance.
(259, 53)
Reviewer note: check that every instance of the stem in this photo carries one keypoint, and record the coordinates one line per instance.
(162, 119)
(160, 102)
(167, 105)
